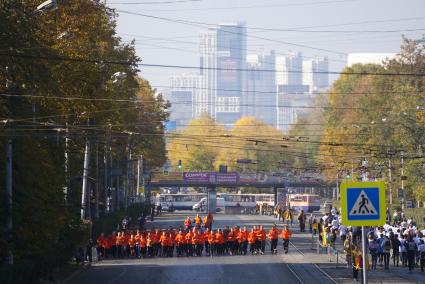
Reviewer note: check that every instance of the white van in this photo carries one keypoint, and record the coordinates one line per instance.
(202, 204)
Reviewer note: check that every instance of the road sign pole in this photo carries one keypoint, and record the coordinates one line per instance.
(364, 256)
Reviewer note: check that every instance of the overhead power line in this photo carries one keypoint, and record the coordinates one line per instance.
(60, 58)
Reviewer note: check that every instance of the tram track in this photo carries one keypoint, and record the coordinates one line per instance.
(307, 272)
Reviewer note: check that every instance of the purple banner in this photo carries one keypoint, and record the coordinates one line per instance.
(211, 177)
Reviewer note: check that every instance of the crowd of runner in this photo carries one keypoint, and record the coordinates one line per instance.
(194, 238)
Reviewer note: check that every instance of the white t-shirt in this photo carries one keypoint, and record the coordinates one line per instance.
(402, 248)
(342, 230)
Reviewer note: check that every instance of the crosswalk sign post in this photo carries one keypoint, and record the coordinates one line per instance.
(363, 204)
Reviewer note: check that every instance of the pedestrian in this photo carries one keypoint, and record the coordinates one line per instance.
(403, 250)
(89, 252)
(411, 252)
(274, 236)
(395, 244)
(286, 235)
(386, 249)
(373, 250)
(348, 250)
(301, 220)
(357, 260)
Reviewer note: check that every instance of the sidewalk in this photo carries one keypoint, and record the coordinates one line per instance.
(338, 270)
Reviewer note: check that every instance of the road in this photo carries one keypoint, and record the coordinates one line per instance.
(291, 268)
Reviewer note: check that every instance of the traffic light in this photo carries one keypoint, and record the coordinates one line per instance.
(179, 165)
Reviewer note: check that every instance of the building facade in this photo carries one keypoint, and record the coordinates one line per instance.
(231, 58)
(259, 98)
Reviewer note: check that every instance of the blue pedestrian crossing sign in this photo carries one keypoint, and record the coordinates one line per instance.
(363, 203)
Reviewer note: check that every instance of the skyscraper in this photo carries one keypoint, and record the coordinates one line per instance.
(315, 74)
(208, 69)
(231, 56)
(187, 99)
(259, 98)
(289, 69)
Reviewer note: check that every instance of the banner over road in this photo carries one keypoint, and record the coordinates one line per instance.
(211, 177)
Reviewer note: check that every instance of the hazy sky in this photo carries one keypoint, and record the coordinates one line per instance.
(340, 27)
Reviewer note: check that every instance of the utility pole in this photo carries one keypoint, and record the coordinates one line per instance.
(66, 188)
(85, 180)
(402, 178)
(9, 192)
(105, 180)
(139, 175)
(390, 181)
(96, 189)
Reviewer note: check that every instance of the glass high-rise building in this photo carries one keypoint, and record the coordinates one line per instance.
(259, 98)
(231, 63)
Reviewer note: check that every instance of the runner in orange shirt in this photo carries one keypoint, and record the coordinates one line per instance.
(261, 237)
(164, 244)
(242, 241)
(101, 246)
(131, 244)
(137, 243)
(157, 243)
(286, 234)
(150, 244)
(180, 243)
(189, 246)
(212, 243)
(252, 240)
(274, 236)
(220, 242)
(142, 245)
(231, 238)
(206, 235)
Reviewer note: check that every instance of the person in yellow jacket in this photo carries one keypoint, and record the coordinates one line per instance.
(198, 221)
(358, 261)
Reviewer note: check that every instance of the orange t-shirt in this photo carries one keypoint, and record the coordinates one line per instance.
(274, 234)
(180, 239)
(142, 242)
(188, 238)
(261, 235)
(252, 237)
(219, 238)
(163, 240)
(286, 234)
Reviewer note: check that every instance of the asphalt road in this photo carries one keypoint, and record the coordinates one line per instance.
(291, 268)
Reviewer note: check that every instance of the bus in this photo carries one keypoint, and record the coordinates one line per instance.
(178, 201)
(306, 202)
(237, 200)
